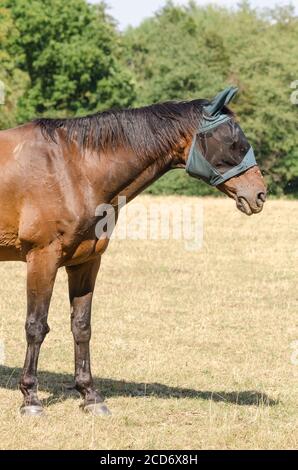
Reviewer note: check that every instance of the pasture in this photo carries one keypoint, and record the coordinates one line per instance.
(192, 350)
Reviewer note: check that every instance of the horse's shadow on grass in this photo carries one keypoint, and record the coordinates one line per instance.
(60, 388)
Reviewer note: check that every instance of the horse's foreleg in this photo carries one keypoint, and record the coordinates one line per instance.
(81, 279)
(41, 273)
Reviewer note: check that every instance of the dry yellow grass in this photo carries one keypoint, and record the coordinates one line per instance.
(191, 349)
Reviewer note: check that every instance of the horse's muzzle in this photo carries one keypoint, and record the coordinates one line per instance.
(248, 206)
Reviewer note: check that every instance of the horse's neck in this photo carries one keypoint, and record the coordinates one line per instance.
(146, 176)
(130, 175)
(127, 175)
(122, 173)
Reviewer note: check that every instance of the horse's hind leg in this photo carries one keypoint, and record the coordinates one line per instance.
(81, 279)
(41, 273)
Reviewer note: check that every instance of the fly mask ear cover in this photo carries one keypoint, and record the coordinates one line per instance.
(198, 163)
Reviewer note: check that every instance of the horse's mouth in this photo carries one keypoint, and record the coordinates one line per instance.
(244, 206)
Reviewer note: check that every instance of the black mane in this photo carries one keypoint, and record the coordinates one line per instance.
(151, 131)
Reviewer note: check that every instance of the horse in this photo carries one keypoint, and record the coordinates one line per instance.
(56, 172)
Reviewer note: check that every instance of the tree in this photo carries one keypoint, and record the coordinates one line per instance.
(12, 80)
(70, 51)
(173, 58)
(67, 58)
(264, 76)
(193, 52)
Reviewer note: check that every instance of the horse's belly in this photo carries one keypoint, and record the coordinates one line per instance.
(10, 253)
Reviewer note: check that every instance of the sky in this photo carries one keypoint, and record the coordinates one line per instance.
(132, 12)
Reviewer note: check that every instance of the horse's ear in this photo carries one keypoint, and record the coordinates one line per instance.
(222, 99)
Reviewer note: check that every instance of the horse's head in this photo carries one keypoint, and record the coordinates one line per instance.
(221, 155)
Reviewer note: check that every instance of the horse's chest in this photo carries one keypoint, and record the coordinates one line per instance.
(88, 249)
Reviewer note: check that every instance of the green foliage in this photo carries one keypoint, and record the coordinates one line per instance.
(70, 51)
(174, 58)
(193, 52)
(67, 58)
(13, 80)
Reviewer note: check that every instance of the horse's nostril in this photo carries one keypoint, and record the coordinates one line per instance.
(261, 197)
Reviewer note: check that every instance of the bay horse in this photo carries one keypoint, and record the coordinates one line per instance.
(55, 172)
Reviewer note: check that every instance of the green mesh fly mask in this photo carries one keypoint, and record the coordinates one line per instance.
(219, 150)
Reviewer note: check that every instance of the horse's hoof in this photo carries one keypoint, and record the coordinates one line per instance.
(97, 409)
(32, 410)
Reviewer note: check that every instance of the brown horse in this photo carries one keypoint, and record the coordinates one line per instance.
(54, 173)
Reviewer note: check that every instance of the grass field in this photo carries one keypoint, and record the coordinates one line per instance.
(192, 350)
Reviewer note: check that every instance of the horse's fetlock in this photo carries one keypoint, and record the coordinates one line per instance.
(28, 382)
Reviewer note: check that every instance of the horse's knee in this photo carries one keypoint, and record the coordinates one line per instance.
(36, 329)
(81, 328)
